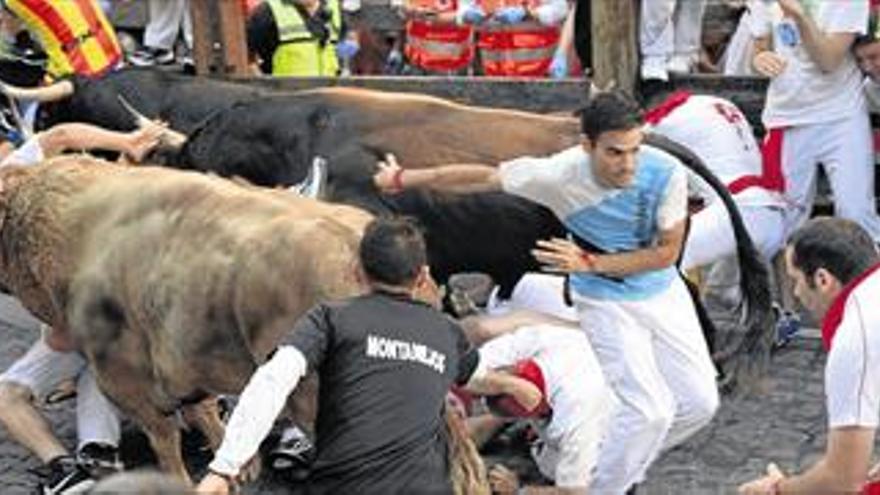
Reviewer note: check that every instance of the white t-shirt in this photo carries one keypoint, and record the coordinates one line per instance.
(576, 391)
(803, 94)
(852, 373)
(29, 153)
(564, 182)
(721, 136)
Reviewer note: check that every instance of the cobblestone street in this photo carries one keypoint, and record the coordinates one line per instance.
(785, 425)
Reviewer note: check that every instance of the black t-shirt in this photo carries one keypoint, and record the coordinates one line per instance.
(385, 364)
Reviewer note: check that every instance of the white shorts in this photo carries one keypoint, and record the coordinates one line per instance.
(42, 369)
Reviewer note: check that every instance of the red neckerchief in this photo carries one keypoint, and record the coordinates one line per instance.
(673, 101)
(528, 370)
(835, 312)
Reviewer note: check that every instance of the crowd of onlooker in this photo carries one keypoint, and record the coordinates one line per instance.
(542, 38)
(822, 60)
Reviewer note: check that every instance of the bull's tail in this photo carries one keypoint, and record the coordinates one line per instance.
(466, 468)
(746, 357)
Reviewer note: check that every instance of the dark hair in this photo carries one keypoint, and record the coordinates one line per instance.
(610, 111)
(840, 246)
(392, 250)
(870, 36)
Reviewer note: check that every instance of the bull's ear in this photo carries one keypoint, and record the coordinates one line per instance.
(320, 119)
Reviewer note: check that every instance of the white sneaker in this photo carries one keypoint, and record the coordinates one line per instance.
(654, 68)
(680, 64)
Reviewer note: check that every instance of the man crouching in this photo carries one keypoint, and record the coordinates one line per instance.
(386, 361)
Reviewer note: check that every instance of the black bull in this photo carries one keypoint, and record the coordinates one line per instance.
(273, 140)
(236, 130)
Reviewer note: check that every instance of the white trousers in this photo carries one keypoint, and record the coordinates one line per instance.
(711, 235)
(655, 358)
(166, 19)
(42, 369)
(671, 27)
(843, 147)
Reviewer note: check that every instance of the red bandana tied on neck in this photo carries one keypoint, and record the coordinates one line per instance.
(835, 312)
(673, 101)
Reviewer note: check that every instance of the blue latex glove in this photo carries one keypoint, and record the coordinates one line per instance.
(394, 62)
(346, 49)
(559, 66)
(510, 15)
(473, 15)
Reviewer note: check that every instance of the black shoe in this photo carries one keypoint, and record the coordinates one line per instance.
(65, 476)
(99, 459)
(294, 451)
(788, 324)
(149, 57)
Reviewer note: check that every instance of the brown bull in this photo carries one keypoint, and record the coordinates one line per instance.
(175, 285)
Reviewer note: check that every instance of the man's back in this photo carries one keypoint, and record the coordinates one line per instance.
(385, 364)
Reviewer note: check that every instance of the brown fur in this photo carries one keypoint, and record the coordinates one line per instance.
(175, 284)
(408, 124)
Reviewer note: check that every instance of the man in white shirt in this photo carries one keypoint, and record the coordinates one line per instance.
(624, 205)
(720, 135)
(834, 266)
(536, 334)
(815, 110)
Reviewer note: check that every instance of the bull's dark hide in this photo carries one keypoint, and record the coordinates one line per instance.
(272, 142)
(180, 100)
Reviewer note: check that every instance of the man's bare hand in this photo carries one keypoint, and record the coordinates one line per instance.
(387, 179)
(503, 481)
(563, 256)
(763, 486)
(143, 140)
(769, 64)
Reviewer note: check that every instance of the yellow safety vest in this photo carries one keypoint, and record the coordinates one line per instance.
(76, 35)
(299, 53)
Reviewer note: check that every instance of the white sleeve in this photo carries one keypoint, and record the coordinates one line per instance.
(673, 205)
(552, 12)
(845, 17)
(537, 179)
(759, 19)
(504, 350)
(258, 407)
(852, 384)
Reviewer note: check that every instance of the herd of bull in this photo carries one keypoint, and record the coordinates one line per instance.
(177, 284)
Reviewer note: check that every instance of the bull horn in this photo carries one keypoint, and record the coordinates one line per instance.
(43, 94)
(170, 137)
(140, 119)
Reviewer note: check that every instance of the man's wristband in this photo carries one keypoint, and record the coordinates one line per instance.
(589, 259)
(776, 488)
(397, 180)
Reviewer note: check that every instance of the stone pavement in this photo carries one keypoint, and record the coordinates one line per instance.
(785, 424)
